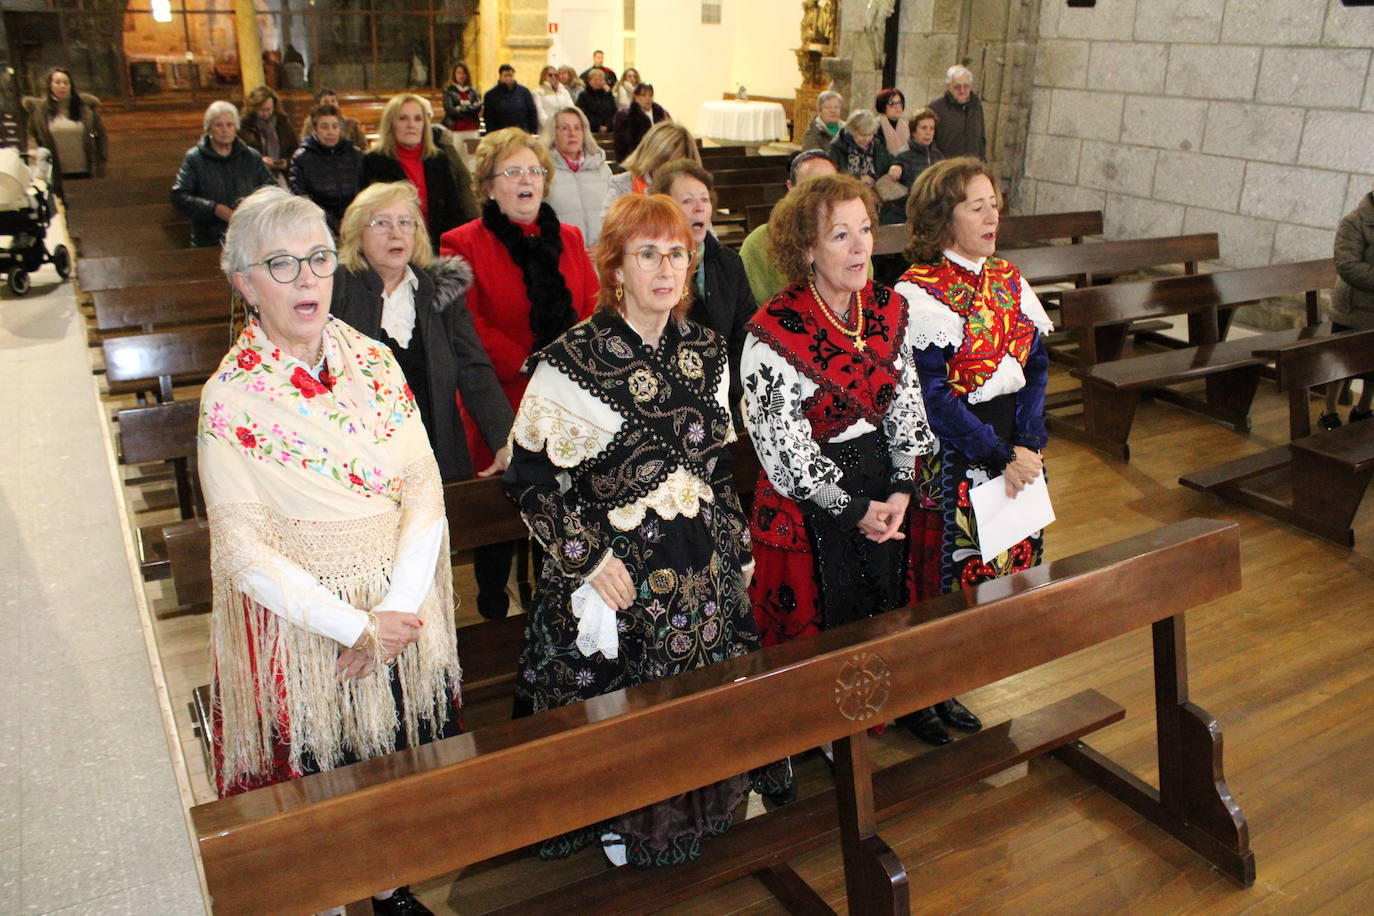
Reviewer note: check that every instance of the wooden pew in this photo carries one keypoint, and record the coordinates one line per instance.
(104, 192)
(148, 362)
(1325, 473)
(162, 433)
(499, 789)
(153, 307)
(1088, 263)
(132, 213)
(184, 266)
(1113, 386)
(1012, 230)
(116, 238)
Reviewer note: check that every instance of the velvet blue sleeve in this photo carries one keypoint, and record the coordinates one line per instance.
(1030, 400)
(951, 420)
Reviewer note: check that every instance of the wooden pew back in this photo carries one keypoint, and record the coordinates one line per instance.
(1049, 262)
(165, 267)
(1124, 302)
(482, 794)
(192, 353)
(149, 307)
(1012, 230)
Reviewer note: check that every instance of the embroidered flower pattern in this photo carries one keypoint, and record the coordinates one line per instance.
(643, 385)
(689, 363)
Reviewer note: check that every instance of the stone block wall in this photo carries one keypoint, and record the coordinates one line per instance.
(1250, 118)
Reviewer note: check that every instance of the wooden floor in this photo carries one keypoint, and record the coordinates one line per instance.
(1284, 665)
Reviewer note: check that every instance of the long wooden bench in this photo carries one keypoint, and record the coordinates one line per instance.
(1113, 386)
(1324, 474)
(161, 361)
(147, 308)
(114, 240)
(470, 798)
(163, 434)
(1012, 230)
(186, 266)
(135, 213)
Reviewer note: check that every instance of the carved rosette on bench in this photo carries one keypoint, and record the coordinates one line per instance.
(863, 686)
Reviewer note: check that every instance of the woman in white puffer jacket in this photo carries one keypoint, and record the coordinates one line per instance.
(580, 173)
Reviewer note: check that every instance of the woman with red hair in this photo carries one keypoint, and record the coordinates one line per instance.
(621, 469)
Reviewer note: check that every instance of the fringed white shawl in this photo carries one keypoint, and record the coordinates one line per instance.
(312, 486)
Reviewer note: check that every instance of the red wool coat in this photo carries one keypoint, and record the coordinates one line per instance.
(501, 308)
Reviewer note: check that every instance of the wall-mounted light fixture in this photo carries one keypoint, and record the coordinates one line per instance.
(162, 10)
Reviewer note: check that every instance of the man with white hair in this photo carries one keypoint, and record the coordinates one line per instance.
(959, 125)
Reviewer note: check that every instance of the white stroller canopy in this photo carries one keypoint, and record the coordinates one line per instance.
(15, 181)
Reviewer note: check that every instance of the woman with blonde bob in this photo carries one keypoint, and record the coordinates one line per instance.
(533, 281)
(835, 414)
(665, 141)
(392, 288)
(662, 561)
(406, 151)
(977, 335)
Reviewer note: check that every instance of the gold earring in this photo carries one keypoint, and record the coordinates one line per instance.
(686, 292)
(619, 293)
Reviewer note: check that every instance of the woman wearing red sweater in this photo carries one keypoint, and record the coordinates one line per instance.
(533, 281)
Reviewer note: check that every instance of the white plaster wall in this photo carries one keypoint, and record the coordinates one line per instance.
(1250, 118)
(764, 34)
(584, 26)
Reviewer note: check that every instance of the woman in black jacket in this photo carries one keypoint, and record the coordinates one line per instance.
(597, 102)
(267, 129)
(631, 124)
(327, 166)
(406, 151)
(216, 174)
(721, 297)
(391, 287)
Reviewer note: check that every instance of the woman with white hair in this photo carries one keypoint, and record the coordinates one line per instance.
(959, 129)
(216, 174)
(580, 173)
(854, 151)
(332, 627)
(825, 126)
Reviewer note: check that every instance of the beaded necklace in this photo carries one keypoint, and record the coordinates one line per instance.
(855, 309)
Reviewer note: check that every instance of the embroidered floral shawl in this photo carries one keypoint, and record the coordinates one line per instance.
(319, 473)
(990, 305)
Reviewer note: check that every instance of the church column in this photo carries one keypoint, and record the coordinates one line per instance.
(250, 45)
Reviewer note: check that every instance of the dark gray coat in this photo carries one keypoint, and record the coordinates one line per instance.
(1352, 298)
(207, 178)
(454, 356)
(959, 127)
(727, 307)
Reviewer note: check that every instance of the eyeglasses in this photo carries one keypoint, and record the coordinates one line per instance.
(405, 224)
(285, 268)
(515, 171)
(649, 258)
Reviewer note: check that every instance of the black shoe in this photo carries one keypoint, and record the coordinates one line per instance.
(783, 797)
(1329, 421)
(925, 724)
(954, 713)
(401, 903)
(1356, 415)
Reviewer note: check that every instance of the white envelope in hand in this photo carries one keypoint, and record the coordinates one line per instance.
(1003, 521)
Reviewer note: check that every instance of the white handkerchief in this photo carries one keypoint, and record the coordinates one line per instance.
(596, 630)
(1003, 521)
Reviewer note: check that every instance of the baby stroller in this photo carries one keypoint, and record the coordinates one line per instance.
(26, 208)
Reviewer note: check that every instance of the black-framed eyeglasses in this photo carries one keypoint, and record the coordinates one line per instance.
(516, 171)
(285, 268)
(649, 258)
